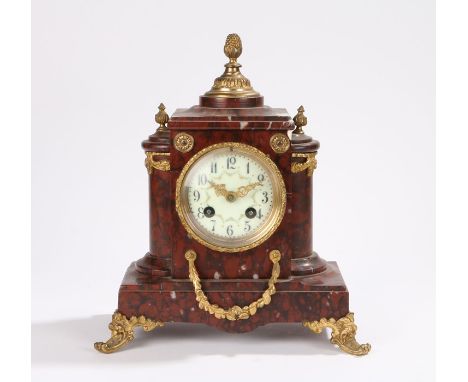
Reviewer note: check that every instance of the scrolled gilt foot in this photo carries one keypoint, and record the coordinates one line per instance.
(343, 333)
(122, 331)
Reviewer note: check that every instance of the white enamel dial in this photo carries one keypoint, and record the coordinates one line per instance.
(231, 197)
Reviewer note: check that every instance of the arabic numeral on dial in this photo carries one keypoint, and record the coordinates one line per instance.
(200, 213)
(196, 195)
(214, 168)
(213, 222)
(248, 167)
(229, 230)
(261, 177)
(247, 227)
(202, 179)
(260, 215)
(231, 161)
(265, 197)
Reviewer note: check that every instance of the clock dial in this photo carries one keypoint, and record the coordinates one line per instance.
(230, 197)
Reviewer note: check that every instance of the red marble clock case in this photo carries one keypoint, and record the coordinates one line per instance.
(157, 286)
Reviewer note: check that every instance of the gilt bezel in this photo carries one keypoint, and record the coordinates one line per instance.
(264, 232)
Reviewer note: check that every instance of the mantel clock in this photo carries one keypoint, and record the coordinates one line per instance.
(230, 184)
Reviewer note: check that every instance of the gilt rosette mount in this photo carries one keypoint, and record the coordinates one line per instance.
(230, 222)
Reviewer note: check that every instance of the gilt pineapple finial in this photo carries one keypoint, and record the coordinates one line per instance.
(233, 47)
(161, 117)
(232, 82)
(300, 120)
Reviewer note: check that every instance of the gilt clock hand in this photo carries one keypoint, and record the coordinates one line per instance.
(244, 190)
(220, 189)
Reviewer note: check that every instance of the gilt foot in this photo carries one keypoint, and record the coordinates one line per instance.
(122, 331)
(343, 333)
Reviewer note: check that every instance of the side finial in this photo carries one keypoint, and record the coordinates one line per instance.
(161, 117)
(300, 120)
